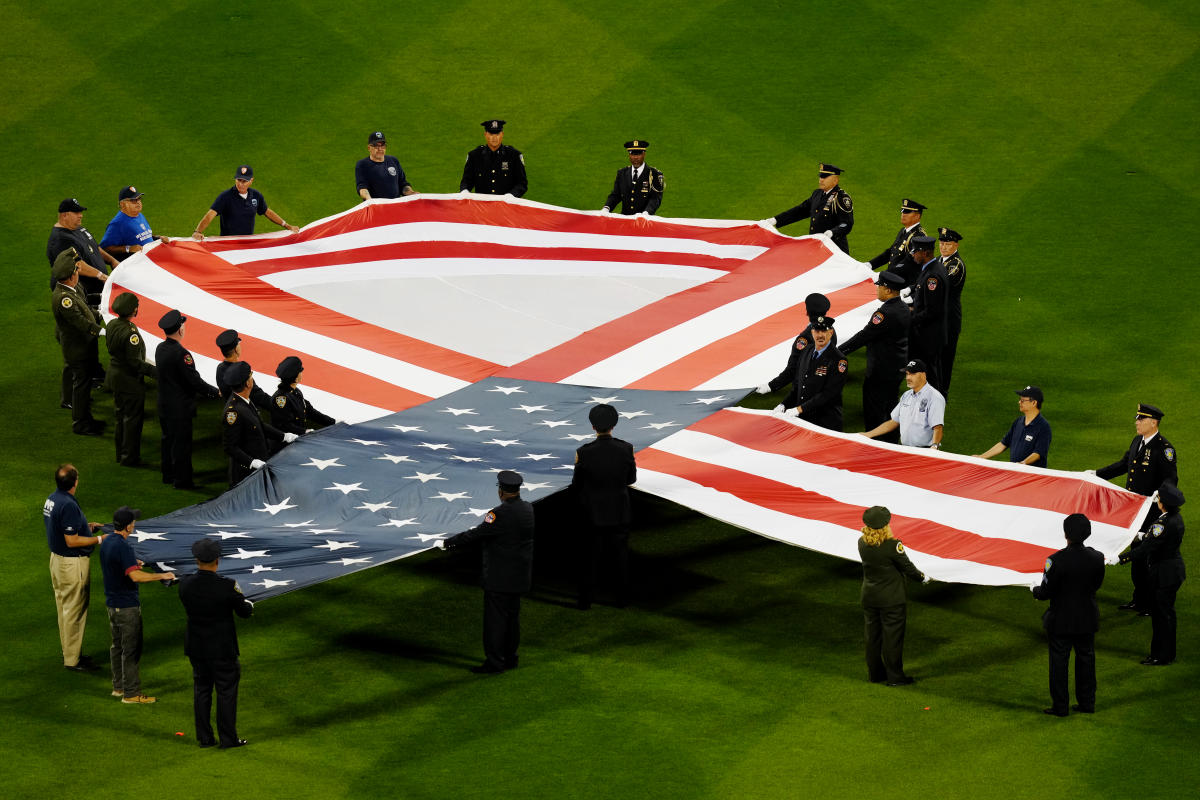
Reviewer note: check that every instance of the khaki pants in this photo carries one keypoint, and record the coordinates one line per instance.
(71, 579)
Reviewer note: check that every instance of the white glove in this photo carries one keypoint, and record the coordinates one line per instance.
(1089, 472)
(604, 212)
(643, 214)
(440, 544)
(289, 437)
(927, 579)
(906, 293)
(465, 191)
(792, 412)
(309, 430)
(257, 463)
(101, 333)
(764, 389)
(767, 223)
(778, 408)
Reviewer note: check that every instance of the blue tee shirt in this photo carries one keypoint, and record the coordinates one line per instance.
(127, 230)
(117, 560)
(1027, 439)
(384, 179)
(63, 515)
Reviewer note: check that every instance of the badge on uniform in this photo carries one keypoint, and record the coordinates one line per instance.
(504, 165)
(281, 401)
(821, 370)
(842, 365)
(801, 343)
(490, 517)
(133, 340)
(899, 546)
(254, 202)
(392, 171)
(66, 302)
(876, 318)
(188, 359)
(847, 203)
(1049, 564)
(230, 417)
(931, 284)
(1156, 529)
(1169, 453)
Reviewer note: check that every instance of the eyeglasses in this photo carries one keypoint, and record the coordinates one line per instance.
(377, 144)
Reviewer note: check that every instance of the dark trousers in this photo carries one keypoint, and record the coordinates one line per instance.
(131, 415)
(81, 395)
(948, 354)
(1162, 620)
(884, 632)
(927, 345)
(125, 653)
(1084, 645)
(594, 543)
(224, 674)
(501, 628)
(177, 450)
(879, 393)
(1139, 573)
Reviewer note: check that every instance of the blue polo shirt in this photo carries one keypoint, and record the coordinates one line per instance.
(380, 178)
(116, 562)
(1022, 440)
(63, 515)
(237, 213)
(127, 230)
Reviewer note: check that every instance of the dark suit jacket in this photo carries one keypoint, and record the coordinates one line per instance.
(506, 534)
(833, 212)
(644, 195)
(931, 304)
(178, 381)
(604, 470)
(1070, 581)
(1145, 471)
(244, 436)
(210, 601)
(886, 338)
(899, 247)
(884, 568)
(817, 386)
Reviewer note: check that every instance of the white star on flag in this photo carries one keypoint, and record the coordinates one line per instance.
(365, 442)
(267, 583)
(233, 535)
(550, 423)
(434, 446)
(530, 409)
(322, 463)
(658, 426)
(708, 401)
(633, 414)
(533, 487)
(322, 531)
(282, 505)
(475, 512)
(613, 399)
(467, 459)
(146, 535)
(535, 457)
(478, 428)
(450, 497)
(399, 523)
(458, 412)
(566, 466)
(395, 459)
(579, 437)
(508, 390)
(345, 488)
(425, 537)
(262, 568)
(503, 442)
(296, 524)
(407, 428)
(331, 545)
(426, 477)
(374, 507)
(249, 554)
(347, 562)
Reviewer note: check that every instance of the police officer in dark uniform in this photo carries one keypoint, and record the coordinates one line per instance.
(910, 220)
(604, 470)
(1070, 581)
(210, 643)
(1166, 572)
(817, 374)
(506, 535)
(956, 276)
(815, 305)
(77, 328)
(884, 598)
(638, 187)
(179, 384)
(230, 345)
(1148, 463)
(886, 338)
(127, 371)
(290, 411)
(494, 168)
(829, 208)
(931, 291)
(244, 434)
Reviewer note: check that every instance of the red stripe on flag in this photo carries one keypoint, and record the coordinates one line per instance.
(782, 263)
(189, 262)
(726, 353)
(318, 373)
(973, 480)
(921, 535)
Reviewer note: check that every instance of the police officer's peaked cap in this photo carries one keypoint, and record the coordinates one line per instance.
(70, 204)
(947, 235)
(1077, 527)
(907, 205)
(509, 480)
(375, 137)
(493, 125)
(921, 243)
(128, 193)
(824, 169)
(1170, 495)
(876, 517)
(289, 368)
(171, 321)
(206, 550)
(64, 264)
(125, 515)
(1147, 410)
(227, 339)
(244, 172)
(823, 323)
(890, 280)
(816, 304)
(637, 145)
(237, 374)
(603, 417)
(125, 304)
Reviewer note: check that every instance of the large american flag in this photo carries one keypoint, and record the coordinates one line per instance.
(422, 302)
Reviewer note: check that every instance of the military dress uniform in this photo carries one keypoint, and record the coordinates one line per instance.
(817, 383)
(1071, 578)
(506, 535)
(956, 276)
(179, 384)
(499, 171)
(604, 470)
(1166, 573)
(127, 371)
(885, 607)
(244, 437)
(927, 337)
(900, 245)
(292, 413)
(257, 396)
(635, 195)
(831, 211)
(78, 331)
(886, 338)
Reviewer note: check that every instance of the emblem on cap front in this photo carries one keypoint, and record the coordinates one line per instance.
(243, 170)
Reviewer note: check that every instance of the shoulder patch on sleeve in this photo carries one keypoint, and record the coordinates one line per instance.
(522, 157)
(230, 417)
(842, 365)
(66, 302)
(899, 546)
(134, 339)
(576, 456)
(931, 284)
(1156, 529)
(490, 517)
(1169, 453)
(1049, 564)
(236, 587)
(281, 401)
(188, 360)
(847, 203)
(801, 343)
(877, 318)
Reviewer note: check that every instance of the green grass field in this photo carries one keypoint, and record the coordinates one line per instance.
(1060, 139)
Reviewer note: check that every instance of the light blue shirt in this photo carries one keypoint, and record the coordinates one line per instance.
(918, 414)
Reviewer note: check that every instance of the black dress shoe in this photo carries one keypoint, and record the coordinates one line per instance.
(90, 430)
(1054, 712)
(67, 406)
(1084, 709)
(487, 668)
(905, 681)
(84, 666)
(236, 743)
(1130, 606)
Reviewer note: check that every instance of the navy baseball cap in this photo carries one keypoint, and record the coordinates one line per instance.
(376, 137)
(70, 204)
(244, 172)
(128, 193)
(1032, 392)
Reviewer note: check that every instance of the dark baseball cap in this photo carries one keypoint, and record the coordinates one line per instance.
(128, 193)
(1032, 392)
(70, 204)
(376, 137)
(916, 365)
(244, 172)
